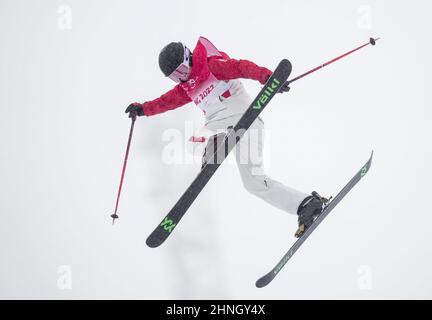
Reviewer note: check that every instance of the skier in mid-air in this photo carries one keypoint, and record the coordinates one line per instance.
(209, 78)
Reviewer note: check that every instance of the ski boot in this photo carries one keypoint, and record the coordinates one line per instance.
(309, 209)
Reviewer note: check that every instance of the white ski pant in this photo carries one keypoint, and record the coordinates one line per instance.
(249, 158)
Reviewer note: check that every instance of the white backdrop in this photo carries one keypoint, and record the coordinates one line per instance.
(69, 68)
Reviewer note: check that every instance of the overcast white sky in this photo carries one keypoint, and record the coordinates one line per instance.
(68, 69)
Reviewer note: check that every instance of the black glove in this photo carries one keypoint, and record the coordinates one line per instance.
(135, 109)
(285, 88)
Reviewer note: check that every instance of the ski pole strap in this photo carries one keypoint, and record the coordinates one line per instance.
(372, 42)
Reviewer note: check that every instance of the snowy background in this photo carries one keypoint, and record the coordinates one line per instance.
(69, 68)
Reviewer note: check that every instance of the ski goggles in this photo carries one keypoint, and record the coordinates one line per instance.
(182, 72)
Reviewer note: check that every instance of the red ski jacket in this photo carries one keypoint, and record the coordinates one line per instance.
(223, 69)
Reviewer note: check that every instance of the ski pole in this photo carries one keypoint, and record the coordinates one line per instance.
(114, 215)
(372, 41)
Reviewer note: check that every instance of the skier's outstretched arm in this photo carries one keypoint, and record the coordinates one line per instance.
(171, 100)
(229, 69)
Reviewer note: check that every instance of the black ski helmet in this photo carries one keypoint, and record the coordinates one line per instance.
(172, 56)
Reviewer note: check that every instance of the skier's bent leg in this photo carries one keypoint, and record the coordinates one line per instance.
(250, 164)
(272, 191)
